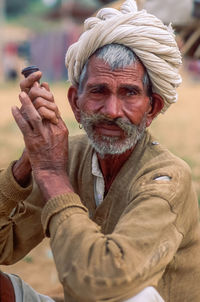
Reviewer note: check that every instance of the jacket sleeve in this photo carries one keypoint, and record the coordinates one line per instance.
(20, 222)
(98, 267)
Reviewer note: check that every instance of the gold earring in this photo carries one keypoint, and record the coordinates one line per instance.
(80, 126)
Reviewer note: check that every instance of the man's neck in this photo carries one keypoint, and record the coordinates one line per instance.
(110, 166)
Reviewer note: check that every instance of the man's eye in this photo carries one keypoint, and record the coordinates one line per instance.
(131, 92)
(96, 90)
(128, 91)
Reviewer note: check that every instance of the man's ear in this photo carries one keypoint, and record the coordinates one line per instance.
(73, 98)
(156, 106)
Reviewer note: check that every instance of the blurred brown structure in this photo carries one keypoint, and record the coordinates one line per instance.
(190, 35)
(185, 18)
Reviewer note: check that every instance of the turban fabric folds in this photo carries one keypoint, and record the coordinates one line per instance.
(152, 41)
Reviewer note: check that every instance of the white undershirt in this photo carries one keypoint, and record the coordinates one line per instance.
(99, 184)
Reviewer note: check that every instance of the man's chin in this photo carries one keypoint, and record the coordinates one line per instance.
(110, 146)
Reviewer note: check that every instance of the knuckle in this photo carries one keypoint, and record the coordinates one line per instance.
(32, 93)
(34, 90)
(51, 96)
(23, 85)
(54, 107)
(35, 93)
(45, 85)
(30, 80)
(42, 111)
(32, 77)
(38, 102)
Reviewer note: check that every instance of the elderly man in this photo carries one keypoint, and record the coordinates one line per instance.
(114, 202)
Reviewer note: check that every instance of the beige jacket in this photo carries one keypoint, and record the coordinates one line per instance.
(145, 233)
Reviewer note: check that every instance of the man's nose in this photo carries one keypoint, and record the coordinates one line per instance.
(112, 107)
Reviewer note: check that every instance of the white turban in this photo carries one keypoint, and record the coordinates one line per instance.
(152, 41)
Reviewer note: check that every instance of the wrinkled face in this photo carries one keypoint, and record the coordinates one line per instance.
(113, 106)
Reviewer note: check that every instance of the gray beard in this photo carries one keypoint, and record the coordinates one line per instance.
(112, 145)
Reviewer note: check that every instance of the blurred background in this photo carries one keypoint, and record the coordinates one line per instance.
(39, 32)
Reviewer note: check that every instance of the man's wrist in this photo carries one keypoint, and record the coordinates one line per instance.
(52, 183)
(22, 172)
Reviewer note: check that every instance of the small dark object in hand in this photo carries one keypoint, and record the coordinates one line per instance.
(28, 70)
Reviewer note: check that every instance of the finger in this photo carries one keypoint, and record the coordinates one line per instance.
(28, 82)
(21, 122)
(25, 116)
(48, 115)
(36, 92)
(45, 85)
(36, 84)
(29, 111)
(41, 102)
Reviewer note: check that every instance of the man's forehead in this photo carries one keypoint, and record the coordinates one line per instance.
(99, 69)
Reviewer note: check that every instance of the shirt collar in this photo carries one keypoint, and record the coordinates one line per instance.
(96, 171)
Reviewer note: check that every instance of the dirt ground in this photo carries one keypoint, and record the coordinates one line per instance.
(178, 129)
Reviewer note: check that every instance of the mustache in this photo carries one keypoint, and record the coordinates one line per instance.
(123, 123)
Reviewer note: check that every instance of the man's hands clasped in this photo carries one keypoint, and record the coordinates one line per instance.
(46, 143)
(45, 136)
